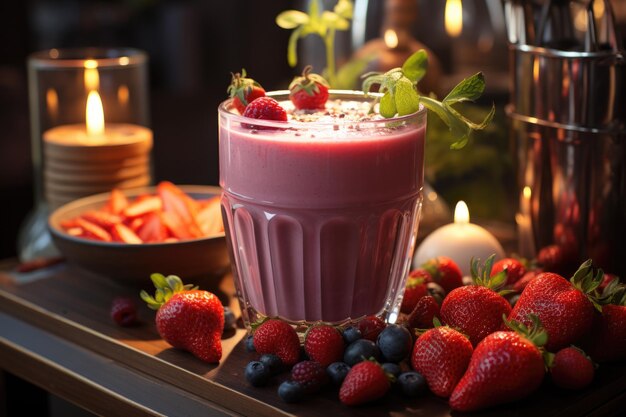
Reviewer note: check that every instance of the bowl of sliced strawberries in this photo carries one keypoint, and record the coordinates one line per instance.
(129, 234)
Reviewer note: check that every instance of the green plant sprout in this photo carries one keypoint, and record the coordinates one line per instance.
(401, 97)
(319, 22)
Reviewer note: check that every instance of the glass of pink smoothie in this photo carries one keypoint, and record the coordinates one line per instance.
(321, 212)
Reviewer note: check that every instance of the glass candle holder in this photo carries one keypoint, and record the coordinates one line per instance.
(89, 123)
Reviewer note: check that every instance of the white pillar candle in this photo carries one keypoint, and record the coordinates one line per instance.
(461, 241)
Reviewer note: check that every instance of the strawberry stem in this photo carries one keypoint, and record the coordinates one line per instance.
(166, 287)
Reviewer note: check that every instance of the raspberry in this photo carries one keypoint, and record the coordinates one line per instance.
(124, 311)
(310, 375)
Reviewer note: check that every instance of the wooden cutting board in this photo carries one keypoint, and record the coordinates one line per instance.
(74, 304)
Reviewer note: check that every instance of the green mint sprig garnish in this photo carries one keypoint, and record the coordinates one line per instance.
(316, 22)
(400, 96)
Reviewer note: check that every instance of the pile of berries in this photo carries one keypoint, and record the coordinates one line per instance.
(477, 344)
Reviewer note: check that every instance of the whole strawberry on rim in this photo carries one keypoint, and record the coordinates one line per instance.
(308, 91)
(187, 318)
(243, 90)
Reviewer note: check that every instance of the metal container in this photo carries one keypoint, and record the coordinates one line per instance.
(568, 119)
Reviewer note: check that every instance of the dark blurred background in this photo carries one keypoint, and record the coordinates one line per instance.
(193, 46)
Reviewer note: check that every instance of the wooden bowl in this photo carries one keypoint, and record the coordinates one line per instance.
(193, 260)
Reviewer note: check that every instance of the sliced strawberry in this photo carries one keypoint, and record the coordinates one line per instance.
(117, 202)
(93, 231)
(209, 217)
(69, 223)
(177, 202)
(176, 226)
(124, 234)
(142, 206)
(153, 230)
(103, 219)
(137, 223)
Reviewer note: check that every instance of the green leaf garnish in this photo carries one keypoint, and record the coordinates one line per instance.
(401, 96)
(323, 23)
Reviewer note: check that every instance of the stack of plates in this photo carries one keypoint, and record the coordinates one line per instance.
(73, 171)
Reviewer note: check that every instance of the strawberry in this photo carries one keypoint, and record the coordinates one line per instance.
(370, 327)
(152, 229)
(324, 344)
(477, 310)
(243, 90)
(414, 290)
(441, 355)
(525, 280)
(187, 318)
(366, 381)
(142, 206)
(308, 91)
(277, 337)
(571, 369)
(310, 375)
(124, 311)
(265, 108)
(93, 231)
(557, 259)
(565, 308)
(102, 218)
(424, 312)
(505, 366)
(124, 234)
(607, 340)
(514, 269)
(117, 202)
(445, 272)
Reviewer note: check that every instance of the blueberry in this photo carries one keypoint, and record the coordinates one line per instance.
(394, 343)
(250, 344)
(272, 362)
(411, 383)
(290, 391)
(257, 374)
(230, 320)
(392, 368)
(359, 350)
(351, 334)
(337, 372)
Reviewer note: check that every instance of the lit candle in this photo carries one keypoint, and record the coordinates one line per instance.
(92, 157)
(461, 241)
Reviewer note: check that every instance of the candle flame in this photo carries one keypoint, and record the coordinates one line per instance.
(123, 94)
(52, 102)
(94, 114)
(461, 213)
(92, 77)
(527, 192)
(454, 17)
(391, 38)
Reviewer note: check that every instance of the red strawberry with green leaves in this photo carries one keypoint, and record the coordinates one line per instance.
(366, 381)
(441, 355)
(606, 342)
(244, 90)
(414, 290)
(445, 272)
(565, 308)
(506, 366)
(571, 368)
(324, 344)
(477, 310)
(424, 312)
(308, 91)
(514, 269)
(187, 318)
(277, 337)
(557, 259)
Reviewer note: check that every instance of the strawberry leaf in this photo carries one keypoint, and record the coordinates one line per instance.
(469, 89)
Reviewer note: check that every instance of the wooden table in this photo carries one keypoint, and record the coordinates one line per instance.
(55, 332)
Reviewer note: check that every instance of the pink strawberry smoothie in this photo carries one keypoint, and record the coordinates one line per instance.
(321, 217)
